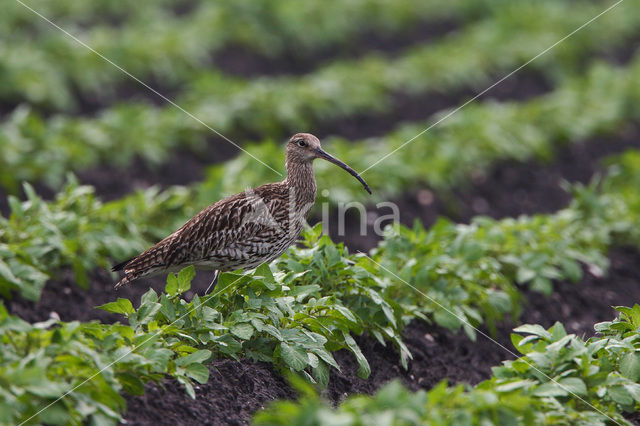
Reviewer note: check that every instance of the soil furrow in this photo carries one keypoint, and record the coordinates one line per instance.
(243, 62)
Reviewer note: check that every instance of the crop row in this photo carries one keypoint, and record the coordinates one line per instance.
(31, 144)
(17, 19)
(78, 230)
(560, 379)
(311, 301)
(17, 22)
(171, 49)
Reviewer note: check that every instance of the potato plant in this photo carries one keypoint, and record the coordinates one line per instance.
(559, 379)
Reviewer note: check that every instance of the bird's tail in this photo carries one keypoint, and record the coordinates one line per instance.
(147, 263)
(125, 280)
(120, 266)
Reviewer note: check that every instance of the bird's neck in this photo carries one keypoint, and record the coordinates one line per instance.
(301, 182)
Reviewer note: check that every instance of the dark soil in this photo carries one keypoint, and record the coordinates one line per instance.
(234, 392)
(410, 108)
(243, 62)
(62, 298)
(182, 168)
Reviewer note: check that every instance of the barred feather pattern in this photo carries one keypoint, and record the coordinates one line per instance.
(241, 231)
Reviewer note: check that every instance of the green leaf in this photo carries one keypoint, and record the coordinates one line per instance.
(557, 331)
(120, 306)
(147, 312)
(634, 390)
(630, 366)
(550, 389)
(302, 291)
(172, 285)
(572, 269)
(48, 389)
(131, 383)
(149, 297)
(499, 300)
(198, 372)
(184, 278)
(80, 273)
(327, 357)
(321, 374)
(243, 330)
(346, 313)
(265, 271)
(535, 329)
(631, 314)
(5, 272)
(447, 320)
(196, 357)
(188, 387)
(620, 395)
(524, 275)
(364, 370)
(512, 386)
(542, 285)
(294, 357)
(574, 385)
(228, 345)
(168, 308)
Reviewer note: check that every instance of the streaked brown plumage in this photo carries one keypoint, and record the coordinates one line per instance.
(246, 229)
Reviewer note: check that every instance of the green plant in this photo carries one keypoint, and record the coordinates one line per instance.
(75, 230)
(263, 316)
(69, 373)
(559, 379)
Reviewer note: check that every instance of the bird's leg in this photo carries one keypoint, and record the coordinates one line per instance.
(213, 283)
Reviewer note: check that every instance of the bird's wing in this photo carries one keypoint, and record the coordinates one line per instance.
(229, 229)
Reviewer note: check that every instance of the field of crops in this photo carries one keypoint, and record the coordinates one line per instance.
(505, 134)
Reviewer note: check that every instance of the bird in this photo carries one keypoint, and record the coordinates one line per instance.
(244, 230)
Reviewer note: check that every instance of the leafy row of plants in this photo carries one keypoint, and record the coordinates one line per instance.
(310, 303)
(559, 379)
(35, 148)
(17, 19)
(171, 49)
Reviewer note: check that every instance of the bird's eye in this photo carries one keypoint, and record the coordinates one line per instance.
(301, 142)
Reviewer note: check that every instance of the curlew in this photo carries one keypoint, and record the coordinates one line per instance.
(246, 229)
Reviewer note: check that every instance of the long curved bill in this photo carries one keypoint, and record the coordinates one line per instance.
(324, 155)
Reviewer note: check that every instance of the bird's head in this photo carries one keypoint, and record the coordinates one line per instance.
(304, 148)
